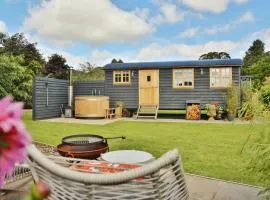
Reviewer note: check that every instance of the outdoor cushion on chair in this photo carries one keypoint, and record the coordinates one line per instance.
(160, 179)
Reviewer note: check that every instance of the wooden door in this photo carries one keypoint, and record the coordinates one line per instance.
(149, 87)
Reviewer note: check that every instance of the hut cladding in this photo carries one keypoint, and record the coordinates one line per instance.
(168, 85)
(171, 84)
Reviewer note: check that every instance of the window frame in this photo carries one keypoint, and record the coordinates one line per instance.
(122, 72)
(220, 86)
(182, 87)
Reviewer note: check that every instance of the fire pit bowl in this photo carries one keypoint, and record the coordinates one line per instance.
(85, 146)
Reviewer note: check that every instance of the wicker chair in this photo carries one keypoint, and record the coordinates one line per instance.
(20, 177)
(160, 179)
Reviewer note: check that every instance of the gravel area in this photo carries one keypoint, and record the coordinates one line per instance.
(47, 149)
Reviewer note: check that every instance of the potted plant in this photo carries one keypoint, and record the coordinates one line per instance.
(231, 102)
(119, 105)
(211, 111)
(220, 112)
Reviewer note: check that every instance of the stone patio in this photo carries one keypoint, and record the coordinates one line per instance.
(108, 121)
(205, 188)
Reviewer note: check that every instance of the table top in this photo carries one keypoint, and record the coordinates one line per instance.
(127, 156)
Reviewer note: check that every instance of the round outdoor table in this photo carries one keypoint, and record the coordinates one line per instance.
(127, 156)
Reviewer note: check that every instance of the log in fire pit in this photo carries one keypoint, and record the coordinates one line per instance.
(85, 146)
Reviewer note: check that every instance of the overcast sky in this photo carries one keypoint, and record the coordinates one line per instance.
(137, 30)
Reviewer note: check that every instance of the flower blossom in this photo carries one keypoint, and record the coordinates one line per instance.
(13, 136)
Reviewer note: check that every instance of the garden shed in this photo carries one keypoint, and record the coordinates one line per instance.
(165, 85)
(171, 84)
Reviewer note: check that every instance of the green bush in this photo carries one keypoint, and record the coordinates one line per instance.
(15, 79)
(265, 93)
(232, 98)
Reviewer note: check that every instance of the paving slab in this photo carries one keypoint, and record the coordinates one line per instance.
(204, 188)
(81, 121)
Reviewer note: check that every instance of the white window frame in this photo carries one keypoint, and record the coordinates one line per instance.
(184, 78)
(221, 80)
(123, 75)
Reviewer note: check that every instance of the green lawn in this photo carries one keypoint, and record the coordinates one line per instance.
(207, 149)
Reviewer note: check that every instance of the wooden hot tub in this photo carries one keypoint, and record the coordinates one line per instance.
(91, 106)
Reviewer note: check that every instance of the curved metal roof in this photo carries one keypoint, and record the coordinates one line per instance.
(175, 64)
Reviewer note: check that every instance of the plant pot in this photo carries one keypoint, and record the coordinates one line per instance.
(118, 112)
(230, 116)
(211, 119)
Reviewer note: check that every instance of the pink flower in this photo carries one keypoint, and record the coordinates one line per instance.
(13, 136)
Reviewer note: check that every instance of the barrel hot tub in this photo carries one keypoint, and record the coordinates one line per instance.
(91, 106)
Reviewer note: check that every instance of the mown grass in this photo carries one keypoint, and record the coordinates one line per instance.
(207, 149)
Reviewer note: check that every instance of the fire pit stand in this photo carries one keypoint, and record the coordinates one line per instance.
(86, 146)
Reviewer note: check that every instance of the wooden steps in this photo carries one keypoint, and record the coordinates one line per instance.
(147, 111)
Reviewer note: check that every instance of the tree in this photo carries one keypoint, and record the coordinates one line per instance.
(253, 54)
(15, 79)
(215, 55)
(115, 61)
(56, 67)
(260, 70)
(17, 45)
(86, 67)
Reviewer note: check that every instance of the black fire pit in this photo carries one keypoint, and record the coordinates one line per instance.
(85, 146)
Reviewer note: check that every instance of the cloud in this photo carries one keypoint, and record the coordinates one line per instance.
(93, 22)
(3, 26)
(155, 51)
(214, 6)
(190, 32)
(245, 18)
(169, 14)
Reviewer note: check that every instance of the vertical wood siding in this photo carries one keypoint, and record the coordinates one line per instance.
(57, 95)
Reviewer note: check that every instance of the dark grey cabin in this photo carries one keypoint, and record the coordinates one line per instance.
(170, 85)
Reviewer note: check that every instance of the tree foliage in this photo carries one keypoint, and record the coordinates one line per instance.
(97, 73)
(215, 55)
(260, 70)
(86, 67)
(253, 55)
(15, 78)
(18, 45)
(117, 61)
(56, 67)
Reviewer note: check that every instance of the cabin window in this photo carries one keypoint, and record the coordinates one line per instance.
(183, 78)
(148, 78)
(220, 77)
(121, 77)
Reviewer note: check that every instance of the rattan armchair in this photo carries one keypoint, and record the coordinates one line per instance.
(160, 179)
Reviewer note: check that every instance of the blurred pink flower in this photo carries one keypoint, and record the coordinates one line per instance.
(13, 136)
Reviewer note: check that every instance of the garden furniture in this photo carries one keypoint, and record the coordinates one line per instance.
(110, 113)
(162, 178)
(127, 156)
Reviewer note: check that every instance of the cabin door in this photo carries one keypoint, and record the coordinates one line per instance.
(149, 87)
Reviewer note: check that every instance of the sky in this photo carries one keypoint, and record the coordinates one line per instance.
(96, 31)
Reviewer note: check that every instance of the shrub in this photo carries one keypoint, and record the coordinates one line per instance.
(265, 94)
(15, 79)
(232, 98)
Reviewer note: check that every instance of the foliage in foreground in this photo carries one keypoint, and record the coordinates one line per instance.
(257, 105)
